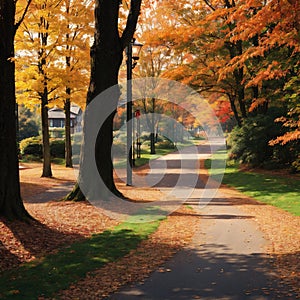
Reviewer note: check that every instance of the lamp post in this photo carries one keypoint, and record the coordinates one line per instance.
(138, 133)
(132, 51)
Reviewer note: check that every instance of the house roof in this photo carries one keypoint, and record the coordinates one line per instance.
(75, 109)
(58, 113)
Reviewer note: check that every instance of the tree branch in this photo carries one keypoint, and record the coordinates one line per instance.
(209, 5)
(17, 25)
(135, 7)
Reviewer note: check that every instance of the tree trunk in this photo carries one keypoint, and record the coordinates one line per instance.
(152, 134)
(42, 65)
(11, 205)
(106, 59)
(152, 143)
(47, 172)
(233, 108)
(68, 144)
(238, 74)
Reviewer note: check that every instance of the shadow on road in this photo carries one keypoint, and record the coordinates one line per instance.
(199, 275)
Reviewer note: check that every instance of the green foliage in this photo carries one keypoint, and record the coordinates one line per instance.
(28, 124)
(32, 146)
(166, 144)
(57, 132)
(249, 143)
(295, 168)
(57, 148)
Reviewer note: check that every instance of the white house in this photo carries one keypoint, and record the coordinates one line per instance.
(56, 118)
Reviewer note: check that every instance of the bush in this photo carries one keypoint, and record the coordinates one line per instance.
(295, 168)
(28, 123)
(57, 148)
(27, 129)
(250, 143)
(57, 132)
(166, 144)
(32, 146)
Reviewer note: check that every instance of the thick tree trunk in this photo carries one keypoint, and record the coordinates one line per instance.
(68, 144)
(11, 204)
(107, 55)
(106, 59)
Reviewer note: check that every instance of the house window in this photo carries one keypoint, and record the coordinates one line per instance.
(58, 123)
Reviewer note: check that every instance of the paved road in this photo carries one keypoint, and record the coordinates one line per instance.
(226, 259)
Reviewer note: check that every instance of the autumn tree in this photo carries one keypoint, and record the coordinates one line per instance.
(244, 50)
(106, 58)
(155, 59)
(152, 62)
(11, 204)
(38, 78)
(201, 43)
(275, 51)
(76, 32)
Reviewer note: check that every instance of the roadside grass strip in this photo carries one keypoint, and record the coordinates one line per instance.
(272, 189)
(46, 276)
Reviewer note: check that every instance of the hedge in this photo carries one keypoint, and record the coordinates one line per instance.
(33, 146)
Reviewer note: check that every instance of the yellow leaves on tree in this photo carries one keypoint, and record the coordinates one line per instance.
(52, 31)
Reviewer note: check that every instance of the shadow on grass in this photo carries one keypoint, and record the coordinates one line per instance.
(54, 272)
(10, 258)
(37, 238)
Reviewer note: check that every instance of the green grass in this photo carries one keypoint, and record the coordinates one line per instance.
(272, 189)
(48, 275)
(145, 157)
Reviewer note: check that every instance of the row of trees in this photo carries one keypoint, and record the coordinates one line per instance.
(243, 56)
(52, 61)
(106, 57)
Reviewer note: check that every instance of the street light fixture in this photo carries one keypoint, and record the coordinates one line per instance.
(132, 51)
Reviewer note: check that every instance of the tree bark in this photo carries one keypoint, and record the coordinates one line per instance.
(238, 74)
(68, 144)
(11, 204)
(42, 65)
(233, 108)
(47, 172)
(152, 134)
(106, 59)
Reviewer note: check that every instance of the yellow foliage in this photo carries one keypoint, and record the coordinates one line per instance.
(54, 32)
